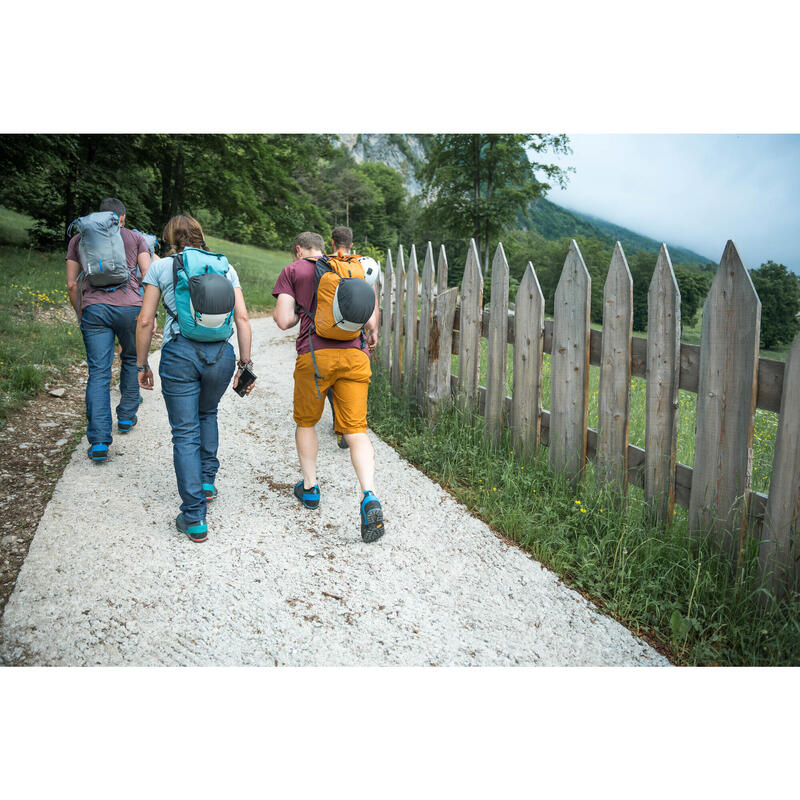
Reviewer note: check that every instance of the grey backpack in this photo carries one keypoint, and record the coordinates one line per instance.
(101, 250)
(150, 239)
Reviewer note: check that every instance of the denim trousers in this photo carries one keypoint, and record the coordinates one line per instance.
(100, 324)
(194, 375)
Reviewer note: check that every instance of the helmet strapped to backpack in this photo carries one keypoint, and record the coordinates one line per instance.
(101, 250)
(204, 295)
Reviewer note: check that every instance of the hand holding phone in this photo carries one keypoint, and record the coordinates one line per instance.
(243, 381)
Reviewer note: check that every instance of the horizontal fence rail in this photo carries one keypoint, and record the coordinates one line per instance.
(424, 324)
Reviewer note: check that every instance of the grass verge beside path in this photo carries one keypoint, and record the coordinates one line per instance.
(661, 585)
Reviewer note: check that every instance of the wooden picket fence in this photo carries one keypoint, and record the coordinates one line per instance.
(423, 323)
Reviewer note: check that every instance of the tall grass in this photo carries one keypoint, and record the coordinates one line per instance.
(663, 584)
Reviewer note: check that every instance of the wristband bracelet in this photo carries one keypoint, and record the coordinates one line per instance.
(145, 368)
(243, 364)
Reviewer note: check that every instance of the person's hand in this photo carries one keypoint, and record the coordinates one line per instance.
(236, 381)
(155, 325)
(145, 378)
(372, 340)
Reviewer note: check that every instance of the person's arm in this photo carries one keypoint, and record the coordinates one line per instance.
(144, 334)
(372, 325)
(244, 336)
(144, 261)
(73, 270)
(284, 315)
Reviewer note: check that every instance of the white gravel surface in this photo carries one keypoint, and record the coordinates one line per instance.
(108, 580)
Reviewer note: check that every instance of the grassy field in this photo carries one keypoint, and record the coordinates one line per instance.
(39, 334)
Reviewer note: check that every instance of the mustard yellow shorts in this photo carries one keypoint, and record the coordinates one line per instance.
(347, 372)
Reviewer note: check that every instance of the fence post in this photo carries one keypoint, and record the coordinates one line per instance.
(441, 272)
(440, 347)
(614, 394)
(663, 375)
(386, 316)
(526, 397)
(425, 311)
(410, 350)
(469, 340)
(399, 288)
(781, 534)
(726, 398)
(497, 349)
(569, 374)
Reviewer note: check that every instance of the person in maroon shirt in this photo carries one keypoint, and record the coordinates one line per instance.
(344, 367)
(104, 316)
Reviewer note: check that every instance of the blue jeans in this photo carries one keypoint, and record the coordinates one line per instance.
(100, 323)
(194, 376)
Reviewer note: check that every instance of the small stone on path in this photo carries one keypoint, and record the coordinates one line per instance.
(57, 392)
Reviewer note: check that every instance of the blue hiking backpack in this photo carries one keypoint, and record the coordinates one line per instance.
(101, 250)
(150, 239)
(204, 296)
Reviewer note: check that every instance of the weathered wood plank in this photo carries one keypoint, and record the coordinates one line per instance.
(663, 375)
(526, 404)
(569, 381)
(726, 398)
(410, 348)
(424, 329)
(397, 314)
(441, 271)
(496, 356)
(614, 393)
(469, 355)
(439, 347)
(780, 544)
(386, 316)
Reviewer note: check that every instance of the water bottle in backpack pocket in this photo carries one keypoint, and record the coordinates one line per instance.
(204, 296)
(101, 250)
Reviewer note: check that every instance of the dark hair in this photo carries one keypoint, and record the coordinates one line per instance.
(182, 231)
(113, 204)
(308, 241)
(342, 236)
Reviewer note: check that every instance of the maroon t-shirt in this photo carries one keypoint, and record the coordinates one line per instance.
(128, 295)
(297, 280)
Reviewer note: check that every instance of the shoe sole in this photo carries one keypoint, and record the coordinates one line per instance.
(99, 459)
(374, 529)
(190, 537)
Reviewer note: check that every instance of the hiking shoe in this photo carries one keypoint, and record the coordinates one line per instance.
(308, 497)
(210, 491)
(98, 452)
(124, 425)
(196, 531)
(342, 442)
(371, 518)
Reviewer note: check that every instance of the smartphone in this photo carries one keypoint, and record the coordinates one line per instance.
(245, 379)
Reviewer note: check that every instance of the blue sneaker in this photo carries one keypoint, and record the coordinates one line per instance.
(210, 491)
(124, 425)
(98, 453)
(371, 518)
(196, 531)
(308, 497)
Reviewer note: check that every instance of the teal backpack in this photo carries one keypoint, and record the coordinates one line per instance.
(204, 296)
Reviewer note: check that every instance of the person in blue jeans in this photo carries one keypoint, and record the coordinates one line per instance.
(105, 315)
(194, 376)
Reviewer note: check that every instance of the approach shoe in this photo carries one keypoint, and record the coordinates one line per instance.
(196, 531)
(371, 518)
(98, 453)
(124, 425)
(342, 442)
(210, 491)
(308, 497)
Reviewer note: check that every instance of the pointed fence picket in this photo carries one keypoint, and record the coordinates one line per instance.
(724, 371)
(726, 403)
(410, 348)
(399, 290)
(614, 394)
(441, 272)
(663, 375)
(425, 311)
(386, 314)
(569, 369)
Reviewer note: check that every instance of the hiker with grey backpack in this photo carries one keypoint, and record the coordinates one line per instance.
(105, 263)
(203, 299)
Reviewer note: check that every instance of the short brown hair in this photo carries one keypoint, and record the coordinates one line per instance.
(183, 231)
(308, 241)
(342, 236)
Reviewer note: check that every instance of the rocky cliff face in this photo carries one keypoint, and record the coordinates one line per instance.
(401, 151)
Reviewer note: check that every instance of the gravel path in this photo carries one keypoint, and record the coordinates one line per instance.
(108, 580)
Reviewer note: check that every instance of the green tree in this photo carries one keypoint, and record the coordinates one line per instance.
(476, 184)
(779, 292)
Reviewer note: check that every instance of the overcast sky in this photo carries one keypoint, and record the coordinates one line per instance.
(696, 191)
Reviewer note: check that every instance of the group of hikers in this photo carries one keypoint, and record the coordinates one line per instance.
(115, 282)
